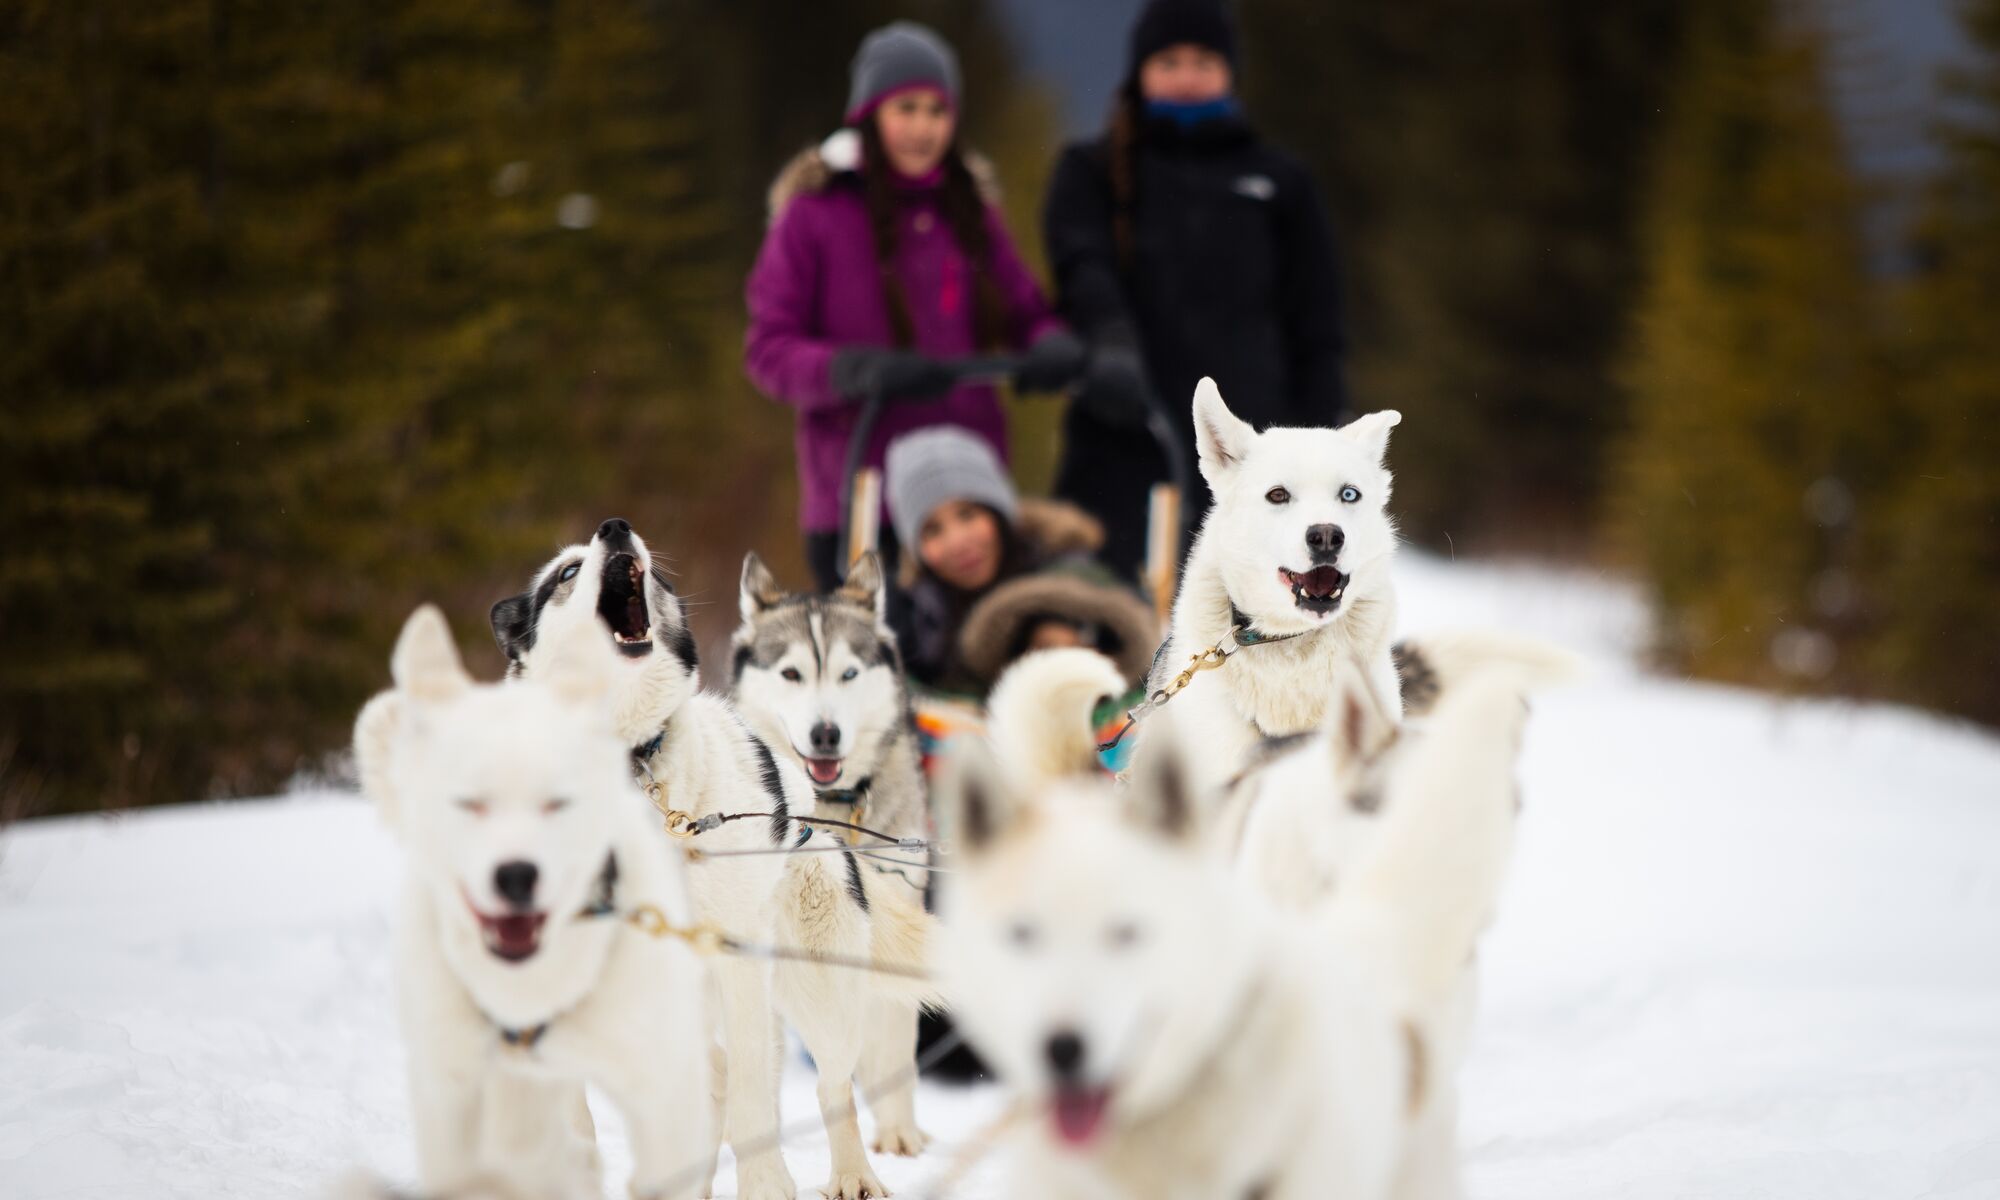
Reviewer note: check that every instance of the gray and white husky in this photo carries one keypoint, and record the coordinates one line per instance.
(819, 678)
(698, 757)
(1296, 551)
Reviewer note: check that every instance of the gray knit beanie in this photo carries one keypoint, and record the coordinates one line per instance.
(899, 55)
(930, 466)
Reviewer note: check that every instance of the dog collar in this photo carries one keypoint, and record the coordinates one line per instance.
(1245, 635)
(522, 1039)
(644, 751)
(856, 795)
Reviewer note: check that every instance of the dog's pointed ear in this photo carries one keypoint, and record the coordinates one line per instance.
(977, 802)
(759, 589)
(1161, 795)
(863, 585)
(1221, 438)
(1372, 431)
(513, 621)
(580, 665)
(425, 664)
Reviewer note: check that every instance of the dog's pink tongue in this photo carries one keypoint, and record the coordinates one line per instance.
(1080, 1113)
(824, 770)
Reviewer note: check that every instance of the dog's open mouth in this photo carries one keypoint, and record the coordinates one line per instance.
(621, 602)
(1316, 591)
(824, 770)
(514, 937)
(1079, 1113)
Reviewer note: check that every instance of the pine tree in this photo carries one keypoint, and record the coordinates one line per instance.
(1753, 372)
(123, 399)
(1938, 544)
(1483, 163)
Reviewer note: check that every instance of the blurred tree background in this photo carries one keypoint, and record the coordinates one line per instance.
(318, 310)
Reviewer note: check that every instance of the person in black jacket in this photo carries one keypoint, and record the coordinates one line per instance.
(1184, 246)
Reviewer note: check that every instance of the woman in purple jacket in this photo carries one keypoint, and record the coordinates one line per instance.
(885, 254)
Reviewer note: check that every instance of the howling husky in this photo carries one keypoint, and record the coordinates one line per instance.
(701, 763)
(819, 679)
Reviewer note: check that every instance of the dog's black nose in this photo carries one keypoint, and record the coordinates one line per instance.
(515, 881)
(825, 737)
(1325, 541)
(616, 530)
(1065, 1053)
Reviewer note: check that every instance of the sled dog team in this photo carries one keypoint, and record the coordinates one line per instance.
(1242, 970)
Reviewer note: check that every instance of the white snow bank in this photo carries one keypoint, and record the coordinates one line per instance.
(1749, 949)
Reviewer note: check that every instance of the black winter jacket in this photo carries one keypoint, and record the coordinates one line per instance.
(1233, 274)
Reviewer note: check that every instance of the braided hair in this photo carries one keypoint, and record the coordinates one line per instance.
(964, 214)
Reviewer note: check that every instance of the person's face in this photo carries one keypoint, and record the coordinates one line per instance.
(1054, 635)
(960, 543)
(916, 128)
(1185, 74)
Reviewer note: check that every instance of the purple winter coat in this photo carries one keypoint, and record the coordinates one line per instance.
(815, 290)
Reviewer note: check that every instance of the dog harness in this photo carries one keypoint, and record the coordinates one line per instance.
(1240, 636)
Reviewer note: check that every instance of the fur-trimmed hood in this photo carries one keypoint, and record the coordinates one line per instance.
(808, 173)
(1057, 527)
(1069, 584)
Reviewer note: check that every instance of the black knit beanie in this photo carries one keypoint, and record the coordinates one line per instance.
(1166, 23)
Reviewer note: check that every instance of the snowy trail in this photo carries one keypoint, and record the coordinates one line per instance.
(1749, 949)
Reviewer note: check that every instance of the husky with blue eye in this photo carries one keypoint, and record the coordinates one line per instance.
(1295, 556)
(819, 678)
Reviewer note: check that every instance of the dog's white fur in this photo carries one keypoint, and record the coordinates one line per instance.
(1296, 819)
(830, 663)
(1046, 700)
(473, 776)
(1246, 1050)
(709, 762)
(1246, 539)
(1305, 819)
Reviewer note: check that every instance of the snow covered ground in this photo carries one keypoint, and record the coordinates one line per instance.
(1750, 949)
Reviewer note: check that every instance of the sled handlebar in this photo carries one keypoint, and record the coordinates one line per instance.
(988, 368)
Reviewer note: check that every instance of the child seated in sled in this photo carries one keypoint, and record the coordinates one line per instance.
(989, 576)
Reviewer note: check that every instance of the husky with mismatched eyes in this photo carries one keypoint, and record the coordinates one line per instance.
(819, 678)
(1168, 1032)
(1294, 555)
(759, 875)
(518, 979)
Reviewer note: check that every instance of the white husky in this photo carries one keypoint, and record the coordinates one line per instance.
(1169, 1032)
(820, 679)
(1296, 552)
(700, 760)
(527, 841)
(1302, 818)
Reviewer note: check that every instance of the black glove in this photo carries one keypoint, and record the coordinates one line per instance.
(1114, 387)
(862, 371)
(1051, 364)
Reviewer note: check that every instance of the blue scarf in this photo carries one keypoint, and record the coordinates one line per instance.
(1188, 115)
